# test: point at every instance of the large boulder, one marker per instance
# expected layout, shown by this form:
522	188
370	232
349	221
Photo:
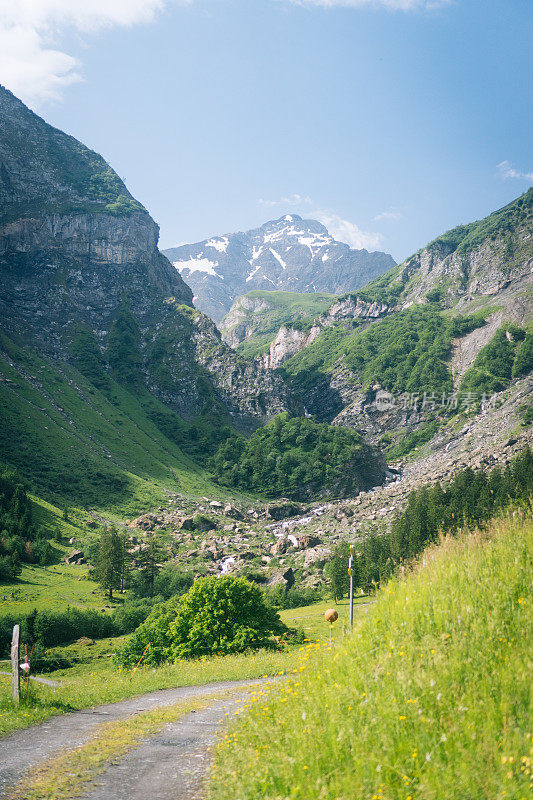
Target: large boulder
281	546
231	511
285	579
317	556
283	509
76	557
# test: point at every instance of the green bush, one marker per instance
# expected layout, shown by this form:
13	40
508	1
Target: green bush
413	440
203	524
279	597
523	363
46	629
217	616
123	348
21	539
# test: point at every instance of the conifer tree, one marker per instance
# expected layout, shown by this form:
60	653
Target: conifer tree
148	562
337	571
110	561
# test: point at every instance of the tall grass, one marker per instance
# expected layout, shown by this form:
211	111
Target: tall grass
428	700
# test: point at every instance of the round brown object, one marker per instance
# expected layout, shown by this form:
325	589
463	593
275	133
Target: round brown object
331	615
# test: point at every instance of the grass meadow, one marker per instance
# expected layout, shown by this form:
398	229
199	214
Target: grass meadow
429	699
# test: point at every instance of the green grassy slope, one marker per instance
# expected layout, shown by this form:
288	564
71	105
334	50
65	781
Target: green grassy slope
77	445
284	308
503	222
62	174
58	585
430	697
407	351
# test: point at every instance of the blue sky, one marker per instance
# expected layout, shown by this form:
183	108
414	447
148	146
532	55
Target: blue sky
391	125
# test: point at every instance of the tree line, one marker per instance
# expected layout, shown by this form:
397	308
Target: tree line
297	458
22	540
470	499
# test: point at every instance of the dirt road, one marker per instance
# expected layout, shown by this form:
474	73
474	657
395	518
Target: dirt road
170	765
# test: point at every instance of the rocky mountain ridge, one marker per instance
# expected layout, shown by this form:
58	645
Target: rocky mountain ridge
257	316
287	254
483	265
76	249
484	268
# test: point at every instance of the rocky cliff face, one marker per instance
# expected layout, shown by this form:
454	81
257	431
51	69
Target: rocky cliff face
74	245
484	267
289	254
497	267
346	311
241	321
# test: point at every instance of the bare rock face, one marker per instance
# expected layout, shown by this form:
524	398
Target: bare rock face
290	341
287	343
74	245
486	266
245	319
285	579
76	557
282	510
73	241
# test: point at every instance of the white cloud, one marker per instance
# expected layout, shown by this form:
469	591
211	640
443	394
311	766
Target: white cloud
292	200
507	171
30	65
341	229
387	216
389	5
345	231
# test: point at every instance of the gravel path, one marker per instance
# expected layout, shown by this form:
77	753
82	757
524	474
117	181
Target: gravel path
22	750
169	766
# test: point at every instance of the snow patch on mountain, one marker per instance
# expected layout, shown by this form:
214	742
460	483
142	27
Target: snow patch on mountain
198	265
220	244
279	259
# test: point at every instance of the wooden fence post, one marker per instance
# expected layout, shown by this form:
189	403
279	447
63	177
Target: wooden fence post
15	674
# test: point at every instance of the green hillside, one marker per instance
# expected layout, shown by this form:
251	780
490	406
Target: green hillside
79	445
405	352
297	310
503	222
60	174
429	698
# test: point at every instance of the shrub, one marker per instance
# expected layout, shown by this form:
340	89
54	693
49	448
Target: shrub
46	629
279	597
202	523
217	616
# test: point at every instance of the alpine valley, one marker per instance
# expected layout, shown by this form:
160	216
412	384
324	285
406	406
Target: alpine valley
341	381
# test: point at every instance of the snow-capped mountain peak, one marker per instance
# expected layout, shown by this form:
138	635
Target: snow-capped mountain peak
288	254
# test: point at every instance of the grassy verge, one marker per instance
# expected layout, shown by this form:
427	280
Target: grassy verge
428	699
98	681
95	680
67	774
